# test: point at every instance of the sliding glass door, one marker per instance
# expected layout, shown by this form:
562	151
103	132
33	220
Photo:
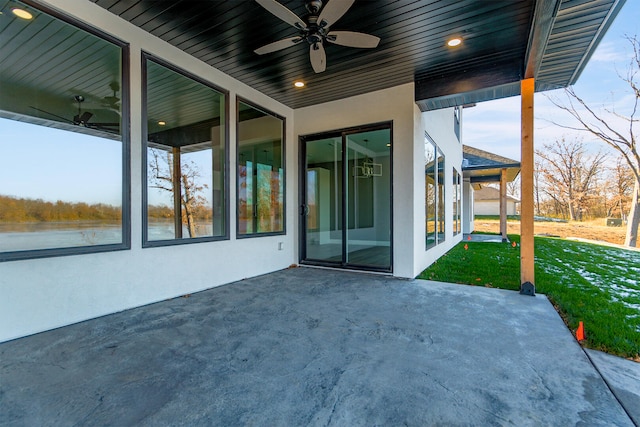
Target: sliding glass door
346	199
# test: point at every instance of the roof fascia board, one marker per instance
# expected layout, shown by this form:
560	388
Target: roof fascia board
481	179
501	166
500	73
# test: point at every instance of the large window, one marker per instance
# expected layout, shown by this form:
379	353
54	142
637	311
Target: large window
434	193
441	197
260	171
186	134
431	180
457	198
63	121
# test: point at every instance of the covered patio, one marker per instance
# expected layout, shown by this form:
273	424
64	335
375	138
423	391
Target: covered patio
307	346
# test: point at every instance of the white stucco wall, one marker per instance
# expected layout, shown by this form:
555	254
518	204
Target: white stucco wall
467	207
439	125
42	294
396	105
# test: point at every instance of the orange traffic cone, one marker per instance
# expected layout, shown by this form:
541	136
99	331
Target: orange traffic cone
580	332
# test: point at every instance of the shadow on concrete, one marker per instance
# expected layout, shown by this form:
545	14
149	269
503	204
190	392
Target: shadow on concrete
312	347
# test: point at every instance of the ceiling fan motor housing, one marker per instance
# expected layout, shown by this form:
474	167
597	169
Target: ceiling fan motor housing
313	6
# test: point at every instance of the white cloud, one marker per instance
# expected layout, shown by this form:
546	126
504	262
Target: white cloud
610	51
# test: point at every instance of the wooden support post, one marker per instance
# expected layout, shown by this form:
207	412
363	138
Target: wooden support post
177	193
527	279
503	204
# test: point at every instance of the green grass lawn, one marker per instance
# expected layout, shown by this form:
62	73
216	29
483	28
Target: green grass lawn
596	284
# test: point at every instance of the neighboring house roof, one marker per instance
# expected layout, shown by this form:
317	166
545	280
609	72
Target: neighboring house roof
481	166
502	43
489	194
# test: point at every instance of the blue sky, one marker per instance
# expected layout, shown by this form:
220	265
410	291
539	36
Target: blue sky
494	126
31	165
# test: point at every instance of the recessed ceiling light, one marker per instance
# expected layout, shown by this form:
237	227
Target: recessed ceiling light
454	42
298	84
21	13
162	123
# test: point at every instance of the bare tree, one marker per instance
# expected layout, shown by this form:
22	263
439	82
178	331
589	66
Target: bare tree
569	174
185	184
619	184
513	188
602	125
536	184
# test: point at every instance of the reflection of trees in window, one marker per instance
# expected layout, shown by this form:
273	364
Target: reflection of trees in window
194	204
186	134
260	171
430	191
61	122
441	197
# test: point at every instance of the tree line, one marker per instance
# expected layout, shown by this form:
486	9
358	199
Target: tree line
19	209
14	209
572	183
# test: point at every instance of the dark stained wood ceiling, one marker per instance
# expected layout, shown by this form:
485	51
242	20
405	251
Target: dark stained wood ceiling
413	41
502	41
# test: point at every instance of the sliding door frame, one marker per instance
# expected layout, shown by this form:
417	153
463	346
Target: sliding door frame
302	196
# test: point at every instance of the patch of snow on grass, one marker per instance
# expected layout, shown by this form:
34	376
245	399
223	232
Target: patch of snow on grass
620	288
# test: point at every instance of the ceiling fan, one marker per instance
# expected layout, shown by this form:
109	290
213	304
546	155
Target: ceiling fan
83	118
110	102
315	29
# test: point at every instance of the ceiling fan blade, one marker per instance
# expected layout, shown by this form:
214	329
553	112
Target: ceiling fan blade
332	11
353	39
105	124
85	117
318	57
283	13
280	44
52	115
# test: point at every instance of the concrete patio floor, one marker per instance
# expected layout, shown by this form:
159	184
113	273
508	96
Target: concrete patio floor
312	347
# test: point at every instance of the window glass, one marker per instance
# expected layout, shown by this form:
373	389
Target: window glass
260	171
62	138
457	196
457	112
441	197
185	156
431	179
434	193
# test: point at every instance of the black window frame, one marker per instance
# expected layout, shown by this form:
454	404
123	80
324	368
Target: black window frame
146	243
252	104
126	149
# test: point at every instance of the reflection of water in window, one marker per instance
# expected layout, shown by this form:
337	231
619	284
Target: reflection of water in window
52	201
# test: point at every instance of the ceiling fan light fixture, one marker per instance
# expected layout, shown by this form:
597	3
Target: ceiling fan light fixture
299	84
456	41
21	13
